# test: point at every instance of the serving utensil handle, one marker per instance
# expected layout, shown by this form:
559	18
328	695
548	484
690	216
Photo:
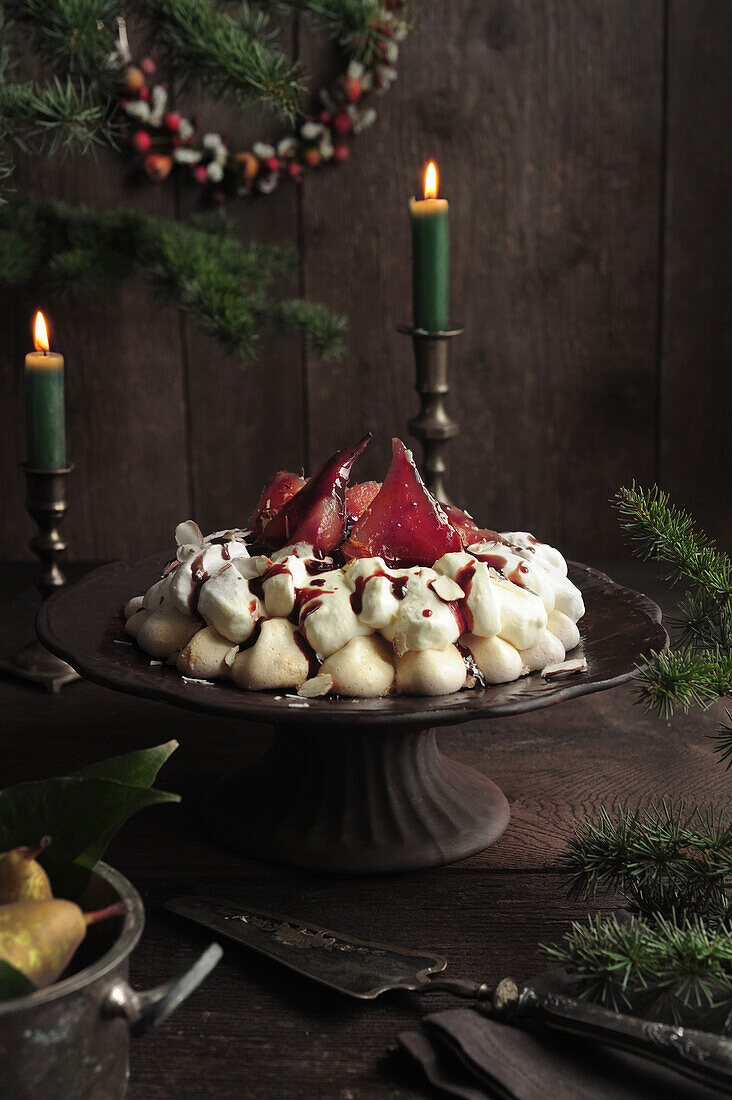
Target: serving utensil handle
700	1055
144	1010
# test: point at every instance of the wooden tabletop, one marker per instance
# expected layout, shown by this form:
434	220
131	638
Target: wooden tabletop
256	1031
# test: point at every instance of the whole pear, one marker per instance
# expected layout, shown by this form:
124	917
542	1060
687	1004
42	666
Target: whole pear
21	877
39	938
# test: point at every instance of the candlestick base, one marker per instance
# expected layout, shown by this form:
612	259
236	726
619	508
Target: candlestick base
432	426
46	502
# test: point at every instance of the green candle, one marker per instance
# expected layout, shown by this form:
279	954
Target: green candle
44	404
430	257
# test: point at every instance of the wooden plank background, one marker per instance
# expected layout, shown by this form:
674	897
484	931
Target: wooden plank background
583	149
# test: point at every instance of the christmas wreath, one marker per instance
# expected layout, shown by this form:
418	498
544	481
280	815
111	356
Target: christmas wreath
93	93
162	139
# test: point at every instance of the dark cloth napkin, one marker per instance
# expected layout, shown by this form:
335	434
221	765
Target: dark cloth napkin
465	1054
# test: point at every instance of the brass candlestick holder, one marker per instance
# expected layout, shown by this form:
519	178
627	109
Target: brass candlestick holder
433	426
46	502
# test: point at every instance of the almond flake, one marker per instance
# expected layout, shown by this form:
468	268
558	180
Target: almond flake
565	668
319	685
188	533
447	589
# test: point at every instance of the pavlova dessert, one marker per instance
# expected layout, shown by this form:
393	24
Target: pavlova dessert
360	592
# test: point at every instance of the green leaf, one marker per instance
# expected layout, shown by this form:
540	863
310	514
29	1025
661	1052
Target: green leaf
13	983
81	813
136	769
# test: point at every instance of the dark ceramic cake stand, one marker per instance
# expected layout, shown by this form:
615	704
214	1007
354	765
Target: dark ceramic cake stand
353	785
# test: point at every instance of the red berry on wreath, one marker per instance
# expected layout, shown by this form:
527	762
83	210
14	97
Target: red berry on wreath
144	95
200	174
295	170
325	117
142	141
148	66
133	80
312	157
272	164
157	166
341	152
342	123
171	121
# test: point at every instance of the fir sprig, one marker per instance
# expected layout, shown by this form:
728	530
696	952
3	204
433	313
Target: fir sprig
201	269
351	23
665	533
75	37
682	678
207	48
665	968
699	670
723	740
662	860
672	954
62	115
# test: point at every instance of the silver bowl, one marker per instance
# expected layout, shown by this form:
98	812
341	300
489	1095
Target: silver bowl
72	1038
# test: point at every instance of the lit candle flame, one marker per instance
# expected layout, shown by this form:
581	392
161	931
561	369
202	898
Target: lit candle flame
430	181
40	332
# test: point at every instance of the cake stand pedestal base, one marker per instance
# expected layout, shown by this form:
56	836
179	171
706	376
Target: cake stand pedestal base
358	800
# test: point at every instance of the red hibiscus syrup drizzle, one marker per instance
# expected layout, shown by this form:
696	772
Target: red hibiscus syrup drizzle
460	610
253	637
256	584
314	566
307	651
516	576
493	561
281	568
198	578
398	588
224	541
470	666
306	602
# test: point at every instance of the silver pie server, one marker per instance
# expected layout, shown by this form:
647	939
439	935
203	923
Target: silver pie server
365	970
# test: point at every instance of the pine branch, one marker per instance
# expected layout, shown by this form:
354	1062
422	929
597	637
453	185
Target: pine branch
701	623
661	531
682	678
353	24
673	955
203	270
326	330
8	47
74	37
699	670
228	58
6	171
722	737
668	968
66	115
662	860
